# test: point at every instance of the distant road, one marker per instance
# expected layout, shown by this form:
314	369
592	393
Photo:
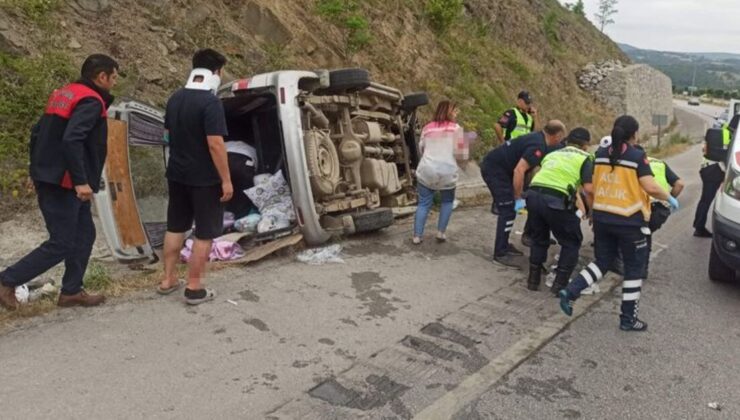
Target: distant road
710	112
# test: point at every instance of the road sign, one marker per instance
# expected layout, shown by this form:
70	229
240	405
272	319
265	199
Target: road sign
660	120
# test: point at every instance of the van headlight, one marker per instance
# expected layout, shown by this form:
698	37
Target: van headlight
732	183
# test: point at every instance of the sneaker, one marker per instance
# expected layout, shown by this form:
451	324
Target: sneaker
702	233
507	260
591	290
566	302
441	237
512	250
196	297
633	325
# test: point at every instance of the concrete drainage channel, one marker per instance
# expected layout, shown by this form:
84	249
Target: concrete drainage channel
434	374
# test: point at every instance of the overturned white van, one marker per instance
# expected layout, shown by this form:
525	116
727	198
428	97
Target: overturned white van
347	147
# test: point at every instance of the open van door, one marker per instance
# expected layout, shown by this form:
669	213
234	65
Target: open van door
134	219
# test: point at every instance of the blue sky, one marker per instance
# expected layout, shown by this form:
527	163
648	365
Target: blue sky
675	25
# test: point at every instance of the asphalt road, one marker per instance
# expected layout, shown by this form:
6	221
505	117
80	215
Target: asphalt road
688	358
392	333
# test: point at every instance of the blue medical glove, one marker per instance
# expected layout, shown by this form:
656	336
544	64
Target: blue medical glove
673	202
519	204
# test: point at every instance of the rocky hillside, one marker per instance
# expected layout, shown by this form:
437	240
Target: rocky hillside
479	52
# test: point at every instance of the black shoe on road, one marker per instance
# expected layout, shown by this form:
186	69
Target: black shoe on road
512	250
702	233
633	325
507	260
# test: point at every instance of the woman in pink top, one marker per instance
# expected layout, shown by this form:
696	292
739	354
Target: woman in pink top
441	141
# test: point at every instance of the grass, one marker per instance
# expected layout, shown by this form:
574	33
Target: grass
349	17
99	278
673	145
442	14
550	27
26	83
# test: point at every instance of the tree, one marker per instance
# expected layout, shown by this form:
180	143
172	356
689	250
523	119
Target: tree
576	7
607	9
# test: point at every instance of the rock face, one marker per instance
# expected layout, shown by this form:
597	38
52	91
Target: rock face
638	90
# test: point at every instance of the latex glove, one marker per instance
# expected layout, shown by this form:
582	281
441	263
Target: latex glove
519	204
673	202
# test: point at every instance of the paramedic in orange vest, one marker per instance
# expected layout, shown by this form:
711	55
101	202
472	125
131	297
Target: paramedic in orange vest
623	184
68	150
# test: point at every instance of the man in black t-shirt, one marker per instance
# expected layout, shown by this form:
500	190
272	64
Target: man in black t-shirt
197	173
504	169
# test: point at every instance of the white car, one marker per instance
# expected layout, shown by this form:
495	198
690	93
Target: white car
724	259
694	101
346	146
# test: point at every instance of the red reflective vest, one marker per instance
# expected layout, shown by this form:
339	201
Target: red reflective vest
62	103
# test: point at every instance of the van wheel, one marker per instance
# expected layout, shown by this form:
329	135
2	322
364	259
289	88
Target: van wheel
347	80
372	220
718	270
414	100
323	163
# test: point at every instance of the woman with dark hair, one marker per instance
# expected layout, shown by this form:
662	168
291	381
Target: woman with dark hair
623	184
437	170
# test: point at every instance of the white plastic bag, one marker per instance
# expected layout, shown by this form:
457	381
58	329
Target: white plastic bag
22	293
319	256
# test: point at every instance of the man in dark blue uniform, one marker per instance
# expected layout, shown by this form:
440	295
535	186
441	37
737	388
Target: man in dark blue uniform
68	151
503	169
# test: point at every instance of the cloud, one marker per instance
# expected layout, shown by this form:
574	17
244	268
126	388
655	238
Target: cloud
674	25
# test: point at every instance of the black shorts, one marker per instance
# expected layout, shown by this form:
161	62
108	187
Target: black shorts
202	205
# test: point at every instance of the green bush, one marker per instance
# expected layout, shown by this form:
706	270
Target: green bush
25	83
347	15
443	13
550	27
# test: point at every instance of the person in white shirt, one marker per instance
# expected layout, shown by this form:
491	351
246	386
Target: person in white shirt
440	142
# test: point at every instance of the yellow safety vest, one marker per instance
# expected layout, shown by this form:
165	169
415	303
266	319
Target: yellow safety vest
617	190
523	125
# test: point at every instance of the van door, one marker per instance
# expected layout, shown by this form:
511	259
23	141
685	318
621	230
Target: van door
133	178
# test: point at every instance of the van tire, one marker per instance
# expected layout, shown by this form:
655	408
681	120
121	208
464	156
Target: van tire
347	80
718	270
414	100
323	163
372	220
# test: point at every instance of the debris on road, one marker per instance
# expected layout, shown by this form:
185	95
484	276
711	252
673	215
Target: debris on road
320	256
233	302
715	406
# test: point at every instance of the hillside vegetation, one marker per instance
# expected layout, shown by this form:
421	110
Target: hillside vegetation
478	52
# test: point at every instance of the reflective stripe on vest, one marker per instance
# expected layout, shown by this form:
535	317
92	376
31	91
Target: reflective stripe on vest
561	170
659	172
62	102
523	125
617	189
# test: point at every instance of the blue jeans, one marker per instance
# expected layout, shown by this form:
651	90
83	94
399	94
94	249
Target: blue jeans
426	199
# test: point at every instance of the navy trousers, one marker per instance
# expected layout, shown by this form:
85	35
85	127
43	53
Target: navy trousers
500	184
545	216
711	179
609	241
71	238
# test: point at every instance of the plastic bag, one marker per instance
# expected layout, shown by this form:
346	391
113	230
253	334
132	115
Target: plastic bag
248	224
319	256
22	293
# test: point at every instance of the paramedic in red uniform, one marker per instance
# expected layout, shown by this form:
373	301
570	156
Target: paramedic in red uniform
68	150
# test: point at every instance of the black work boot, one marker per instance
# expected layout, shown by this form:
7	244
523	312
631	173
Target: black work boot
561	281
535	275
